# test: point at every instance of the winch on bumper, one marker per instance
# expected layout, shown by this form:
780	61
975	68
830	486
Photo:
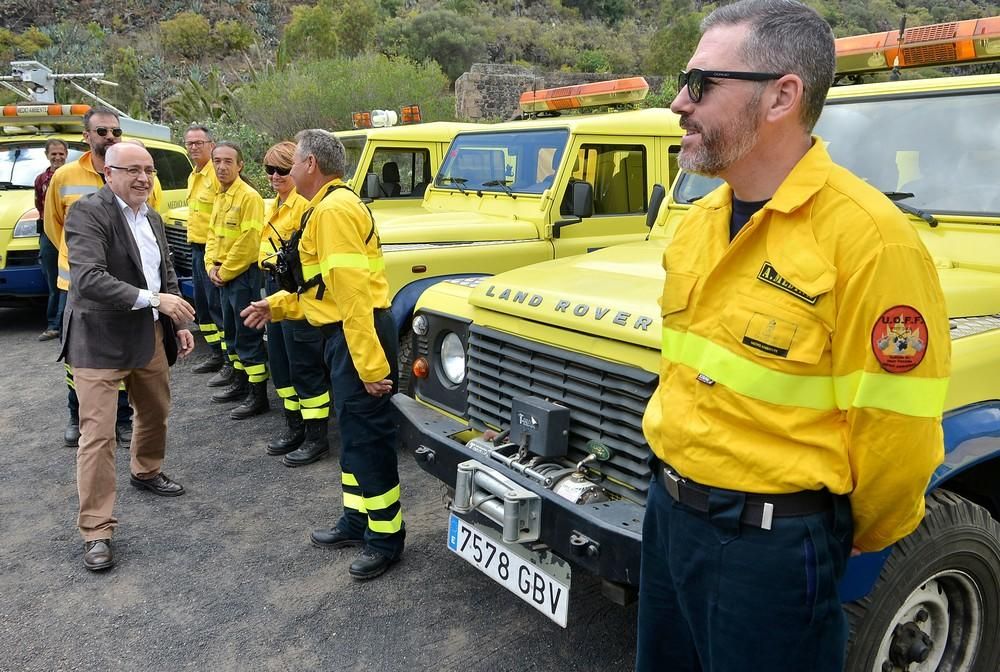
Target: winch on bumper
529	506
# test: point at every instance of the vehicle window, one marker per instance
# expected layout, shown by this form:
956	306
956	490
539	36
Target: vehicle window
519	161
172	168
618	175
353	146
402	173
20	163
942	149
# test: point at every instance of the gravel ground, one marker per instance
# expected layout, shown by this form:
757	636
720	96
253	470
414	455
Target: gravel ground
224	578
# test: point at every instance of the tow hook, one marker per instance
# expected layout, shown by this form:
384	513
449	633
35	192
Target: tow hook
910	644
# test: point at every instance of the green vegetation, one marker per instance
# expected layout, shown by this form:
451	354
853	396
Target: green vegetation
258	70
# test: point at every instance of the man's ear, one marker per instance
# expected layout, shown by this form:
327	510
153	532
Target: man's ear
785	98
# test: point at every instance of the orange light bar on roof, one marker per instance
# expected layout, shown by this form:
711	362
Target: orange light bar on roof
410	114
611	92
939	44
44	110
362	119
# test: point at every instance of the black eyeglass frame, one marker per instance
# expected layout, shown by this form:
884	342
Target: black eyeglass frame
695	79
104	130
271	170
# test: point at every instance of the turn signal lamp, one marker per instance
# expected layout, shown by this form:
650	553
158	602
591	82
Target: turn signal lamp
384	118
596	94
939	44
421	368
411	114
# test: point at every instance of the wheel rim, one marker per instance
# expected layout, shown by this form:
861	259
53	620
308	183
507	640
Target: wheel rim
946	610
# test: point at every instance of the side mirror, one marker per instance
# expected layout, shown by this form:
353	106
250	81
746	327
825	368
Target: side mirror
655	201
583	199
372	186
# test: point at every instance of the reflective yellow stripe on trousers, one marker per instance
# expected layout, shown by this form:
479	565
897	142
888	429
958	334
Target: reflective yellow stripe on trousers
907	395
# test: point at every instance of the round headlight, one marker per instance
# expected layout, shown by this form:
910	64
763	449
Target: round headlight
453	358
419	325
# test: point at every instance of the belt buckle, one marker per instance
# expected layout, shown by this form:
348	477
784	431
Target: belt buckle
671	481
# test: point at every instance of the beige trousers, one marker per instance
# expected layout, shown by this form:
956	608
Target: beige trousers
149	394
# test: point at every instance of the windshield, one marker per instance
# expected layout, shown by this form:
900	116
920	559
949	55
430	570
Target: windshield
943	150
353	146
513	161
21	163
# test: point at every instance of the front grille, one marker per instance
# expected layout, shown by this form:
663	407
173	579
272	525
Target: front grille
22	258
180	248
605	400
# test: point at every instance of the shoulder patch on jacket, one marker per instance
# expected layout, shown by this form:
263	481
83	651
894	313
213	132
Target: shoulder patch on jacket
900	339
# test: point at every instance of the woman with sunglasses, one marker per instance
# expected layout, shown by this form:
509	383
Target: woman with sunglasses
294	347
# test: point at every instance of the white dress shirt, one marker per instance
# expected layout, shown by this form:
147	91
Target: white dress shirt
149	252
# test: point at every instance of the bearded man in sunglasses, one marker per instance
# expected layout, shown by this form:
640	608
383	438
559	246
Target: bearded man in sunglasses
783	432
70	183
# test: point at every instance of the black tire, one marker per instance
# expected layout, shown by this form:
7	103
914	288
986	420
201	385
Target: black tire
943	581
406	360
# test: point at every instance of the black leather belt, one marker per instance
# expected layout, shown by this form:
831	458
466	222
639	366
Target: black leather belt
329	330
758	511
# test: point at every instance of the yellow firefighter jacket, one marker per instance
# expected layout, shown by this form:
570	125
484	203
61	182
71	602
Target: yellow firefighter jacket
811	352
234	237
285	219
202	188
341	244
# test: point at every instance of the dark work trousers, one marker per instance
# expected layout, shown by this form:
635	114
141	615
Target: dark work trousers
48	258
208	327
246	342
298	366
215	314
370	476
718	595
124	415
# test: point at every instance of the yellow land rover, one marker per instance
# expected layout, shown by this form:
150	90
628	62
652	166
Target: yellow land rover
531	385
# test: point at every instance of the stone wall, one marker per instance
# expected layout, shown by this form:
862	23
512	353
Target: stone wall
490	91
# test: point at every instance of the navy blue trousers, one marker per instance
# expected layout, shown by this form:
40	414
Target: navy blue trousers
203	288
246	343
367	443
48	258
298	365
717	595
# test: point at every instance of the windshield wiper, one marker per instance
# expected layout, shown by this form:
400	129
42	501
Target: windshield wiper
457	181
897	197
502	184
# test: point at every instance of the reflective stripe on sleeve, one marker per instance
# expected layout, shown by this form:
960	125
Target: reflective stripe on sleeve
73	190
906	395
251	225
350	260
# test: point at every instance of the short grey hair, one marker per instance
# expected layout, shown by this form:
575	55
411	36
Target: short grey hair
325	148
204	129
786	37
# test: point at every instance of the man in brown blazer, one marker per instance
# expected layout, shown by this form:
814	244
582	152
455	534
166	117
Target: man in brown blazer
119	326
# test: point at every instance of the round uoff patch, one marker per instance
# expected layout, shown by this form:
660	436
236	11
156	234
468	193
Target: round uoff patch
900	339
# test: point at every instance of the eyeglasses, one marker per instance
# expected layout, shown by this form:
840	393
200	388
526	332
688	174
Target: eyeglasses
697	80
103	131
135	171
194	144
271	170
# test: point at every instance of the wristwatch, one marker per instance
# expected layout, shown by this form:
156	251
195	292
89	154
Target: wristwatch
154	300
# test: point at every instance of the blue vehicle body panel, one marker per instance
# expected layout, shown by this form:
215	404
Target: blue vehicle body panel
23	281
971	437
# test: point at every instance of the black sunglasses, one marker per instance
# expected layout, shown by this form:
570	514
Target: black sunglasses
271	170
697	80
102	131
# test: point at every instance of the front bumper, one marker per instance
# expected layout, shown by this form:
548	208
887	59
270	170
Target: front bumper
603	539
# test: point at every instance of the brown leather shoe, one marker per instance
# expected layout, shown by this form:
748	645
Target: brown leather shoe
159	484
97	555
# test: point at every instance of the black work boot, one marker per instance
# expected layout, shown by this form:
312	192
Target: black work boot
238	389
210	364
316	446
224	378
255	403
291	438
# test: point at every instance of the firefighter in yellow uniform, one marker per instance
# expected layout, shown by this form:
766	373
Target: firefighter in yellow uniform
294	347
804	367
345	293
202	188
231	264
69	184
